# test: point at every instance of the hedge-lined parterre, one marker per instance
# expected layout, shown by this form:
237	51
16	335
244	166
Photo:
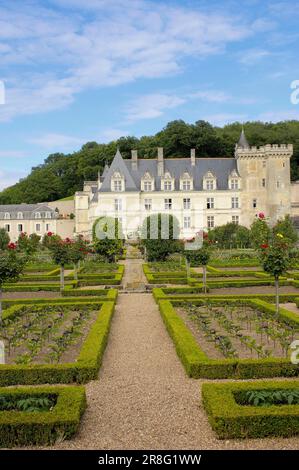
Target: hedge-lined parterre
232	419
198	364
25	428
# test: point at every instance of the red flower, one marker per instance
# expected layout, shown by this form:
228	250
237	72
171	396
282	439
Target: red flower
264	246
261	215
11	246
49	234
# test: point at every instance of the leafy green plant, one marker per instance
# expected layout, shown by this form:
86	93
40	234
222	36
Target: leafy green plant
272	397
28	404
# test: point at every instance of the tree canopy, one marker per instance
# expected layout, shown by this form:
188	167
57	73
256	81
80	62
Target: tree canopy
61	175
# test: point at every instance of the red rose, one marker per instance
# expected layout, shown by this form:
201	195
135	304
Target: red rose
49	234
264	246
261	215
11	246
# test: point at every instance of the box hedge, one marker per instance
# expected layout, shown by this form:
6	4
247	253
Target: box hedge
197	364
20	428
84	369
231	420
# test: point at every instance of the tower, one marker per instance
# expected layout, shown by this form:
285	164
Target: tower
265	173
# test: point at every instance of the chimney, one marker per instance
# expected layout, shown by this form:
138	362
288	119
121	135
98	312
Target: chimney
192	155
160	161
134	154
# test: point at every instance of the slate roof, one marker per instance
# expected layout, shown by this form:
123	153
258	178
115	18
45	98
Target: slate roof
220	167
243	142
28	210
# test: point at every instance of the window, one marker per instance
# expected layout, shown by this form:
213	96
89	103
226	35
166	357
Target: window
187	222
47	227
187	203
117	205
48	215
167	204
186	185
167	185
210	203
234	184
37	227
20	215
264	163
235	203
235	219
210	221
264	182
20	227
254	203
37	215
117	185
7	227
278	184
210	185
283	164
7	215
147	186
147	204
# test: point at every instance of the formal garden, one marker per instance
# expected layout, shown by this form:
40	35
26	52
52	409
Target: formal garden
230	307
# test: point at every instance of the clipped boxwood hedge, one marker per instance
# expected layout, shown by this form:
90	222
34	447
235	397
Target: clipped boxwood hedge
20	428
231	420
197	364
84	369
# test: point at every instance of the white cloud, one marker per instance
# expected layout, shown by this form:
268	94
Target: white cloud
13	154
120	42
8	178
59	141
277	116
152	106
220	119
107	135
212	96
253	56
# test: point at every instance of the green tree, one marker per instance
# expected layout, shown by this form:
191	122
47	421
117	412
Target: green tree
107	238
200	257
61	253
159	235
4	239
79	250
28	245
275	258
11	266
260	232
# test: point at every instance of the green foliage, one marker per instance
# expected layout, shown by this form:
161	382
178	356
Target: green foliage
107	238
11	266
230	420
259	233
286	228
230	235
276	256
270	397
4	239
199	257
28	245
36	424
159	235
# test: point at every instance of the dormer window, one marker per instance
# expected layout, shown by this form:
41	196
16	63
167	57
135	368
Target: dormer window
38	215
48	215
7	215
209	181
167	182
20	215
117	182
234	181
147	182
186	182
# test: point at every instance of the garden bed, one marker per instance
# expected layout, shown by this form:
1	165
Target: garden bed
233	417
57	413
54	343
198	362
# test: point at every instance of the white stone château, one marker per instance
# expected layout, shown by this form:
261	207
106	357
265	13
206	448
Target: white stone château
201	192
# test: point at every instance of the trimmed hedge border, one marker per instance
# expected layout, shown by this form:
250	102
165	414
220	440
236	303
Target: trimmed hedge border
84	369
42	428
197	364
230	420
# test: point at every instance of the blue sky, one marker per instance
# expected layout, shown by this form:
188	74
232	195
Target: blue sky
98	69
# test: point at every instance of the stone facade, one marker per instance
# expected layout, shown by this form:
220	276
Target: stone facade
201	192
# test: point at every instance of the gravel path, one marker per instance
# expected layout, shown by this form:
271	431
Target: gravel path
143	399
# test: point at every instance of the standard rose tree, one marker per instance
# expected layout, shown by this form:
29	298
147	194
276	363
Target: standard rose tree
11	266
79	250
61	253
